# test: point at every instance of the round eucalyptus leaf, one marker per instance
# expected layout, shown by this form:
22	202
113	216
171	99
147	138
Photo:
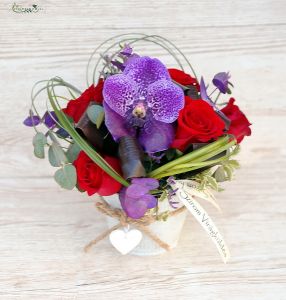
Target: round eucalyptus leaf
56	155
96	114
66	177
73	152
220	174
39	142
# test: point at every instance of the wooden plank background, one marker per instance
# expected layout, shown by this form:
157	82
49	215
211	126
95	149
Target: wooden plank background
44	228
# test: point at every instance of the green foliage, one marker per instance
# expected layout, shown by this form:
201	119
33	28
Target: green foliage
226	170
56	154
69	127
219	174
96	114
72	152
66	177
206	180
39	142
163	216
173	153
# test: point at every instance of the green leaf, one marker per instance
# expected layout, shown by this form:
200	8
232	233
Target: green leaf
57	156
72	152
96	114
220	174
228	90
66	177
39	142
234	163
228	171
170	153
212	183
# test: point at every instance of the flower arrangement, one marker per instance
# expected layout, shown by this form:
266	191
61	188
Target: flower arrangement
142	132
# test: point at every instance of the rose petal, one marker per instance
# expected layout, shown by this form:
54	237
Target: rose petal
183	78
109	185
156	136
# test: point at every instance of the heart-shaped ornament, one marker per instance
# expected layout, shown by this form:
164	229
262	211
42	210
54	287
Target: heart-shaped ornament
125	241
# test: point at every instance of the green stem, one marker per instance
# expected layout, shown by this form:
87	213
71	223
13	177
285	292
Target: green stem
217	97
203	159
191	156
188	169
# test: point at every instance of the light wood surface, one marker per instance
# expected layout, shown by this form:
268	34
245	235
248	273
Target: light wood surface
43	228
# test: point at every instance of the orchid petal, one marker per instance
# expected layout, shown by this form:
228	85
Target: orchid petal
145	71
116	124
119	92
166	100
156	136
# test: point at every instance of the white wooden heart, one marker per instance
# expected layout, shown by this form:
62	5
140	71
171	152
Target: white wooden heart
125	241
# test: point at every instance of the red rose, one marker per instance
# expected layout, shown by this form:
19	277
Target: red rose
239	125
197	123
183	78
77	107
92	179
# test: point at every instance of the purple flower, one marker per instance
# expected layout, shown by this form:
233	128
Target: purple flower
143	102
50	118
136	200
220	81
32	121
127	50
203	90
118	65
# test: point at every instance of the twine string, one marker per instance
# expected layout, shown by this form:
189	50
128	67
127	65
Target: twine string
124	220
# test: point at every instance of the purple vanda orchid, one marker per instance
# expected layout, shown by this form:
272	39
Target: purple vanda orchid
143	102
136	199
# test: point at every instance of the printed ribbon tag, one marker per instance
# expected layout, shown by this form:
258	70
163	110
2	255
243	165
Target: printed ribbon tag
186	190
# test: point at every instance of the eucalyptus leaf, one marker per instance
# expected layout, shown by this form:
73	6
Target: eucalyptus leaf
73	152
57	156
39	142
220	174
96	114
66	177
